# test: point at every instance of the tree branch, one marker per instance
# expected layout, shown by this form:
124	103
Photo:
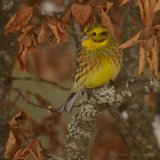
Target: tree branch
116	95
94	102
39	80
47	107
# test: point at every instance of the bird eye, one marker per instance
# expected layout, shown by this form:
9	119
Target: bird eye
94	33
104	33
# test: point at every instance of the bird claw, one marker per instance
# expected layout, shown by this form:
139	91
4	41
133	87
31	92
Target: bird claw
112	83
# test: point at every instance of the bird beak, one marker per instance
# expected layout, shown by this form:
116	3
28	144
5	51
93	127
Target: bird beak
83	37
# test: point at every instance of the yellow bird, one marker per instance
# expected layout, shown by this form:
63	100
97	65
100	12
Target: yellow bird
98	61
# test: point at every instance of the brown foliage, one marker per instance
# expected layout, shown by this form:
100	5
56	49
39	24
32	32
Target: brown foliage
22	141
81	13
147	37
134	40
43	33
19	19
54	29
27	42
105	19
32	148
29	39
17	136
58	30
154	58
142	61
125	2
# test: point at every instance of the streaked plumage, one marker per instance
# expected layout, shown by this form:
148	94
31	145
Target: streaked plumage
98	61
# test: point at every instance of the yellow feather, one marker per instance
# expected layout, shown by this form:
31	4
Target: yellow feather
102	74
91	45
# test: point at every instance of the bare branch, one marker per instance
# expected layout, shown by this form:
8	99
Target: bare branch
39	80
49	108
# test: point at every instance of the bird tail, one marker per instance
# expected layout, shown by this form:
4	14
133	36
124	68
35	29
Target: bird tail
68	105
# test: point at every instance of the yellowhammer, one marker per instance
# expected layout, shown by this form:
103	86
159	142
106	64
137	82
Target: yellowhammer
98	61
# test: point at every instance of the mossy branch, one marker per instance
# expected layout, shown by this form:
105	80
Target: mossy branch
98	100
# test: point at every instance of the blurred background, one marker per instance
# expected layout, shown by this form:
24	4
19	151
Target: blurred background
38	41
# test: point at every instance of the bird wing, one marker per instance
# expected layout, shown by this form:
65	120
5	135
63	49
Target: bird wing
76	64
79	69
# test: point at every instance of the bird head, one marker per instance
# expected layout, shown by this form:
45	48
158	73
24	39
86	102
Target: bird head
96	37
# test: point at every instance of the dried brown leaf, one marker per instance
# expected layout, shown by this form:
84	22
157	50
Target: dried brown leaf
21	57
109	6
27	28
32	148
17	134
66	17
11	145
149	60
19	19
154	59
58	29
124	2
147	11
81	12
157	27
117	16
146	34
142	61
106	21
43	34
157	7
140	4
27	42
54	29
134	40
149	43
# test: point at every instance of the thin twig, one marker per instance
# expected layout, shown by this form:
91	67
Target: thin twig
40	80
49	108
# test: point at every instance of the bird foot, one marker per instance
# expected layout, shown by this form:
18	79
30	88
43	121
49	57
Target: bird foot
113	83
